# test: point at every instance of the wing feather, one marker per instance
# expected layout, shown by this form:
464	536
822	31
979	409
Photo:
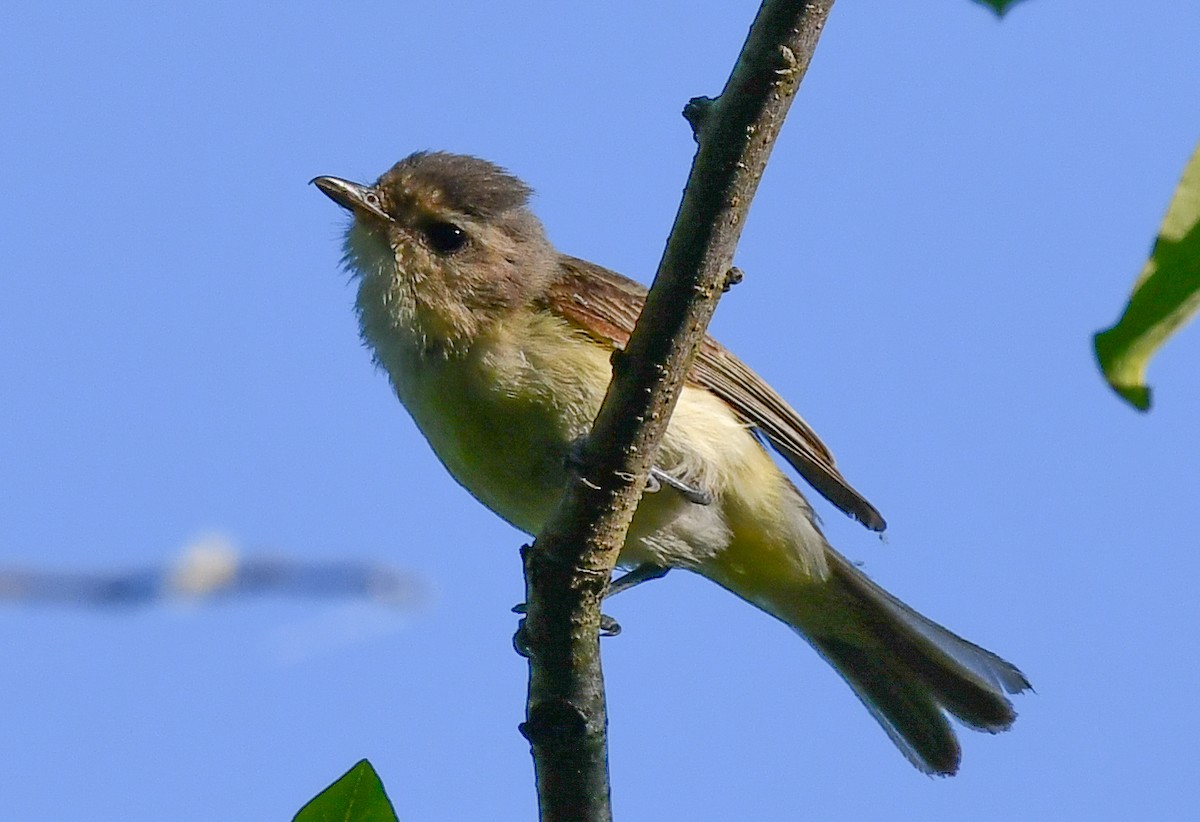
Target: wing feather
606	305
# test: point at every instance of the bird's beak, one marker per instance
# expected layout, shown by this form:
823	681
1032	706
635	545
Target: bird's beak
352	196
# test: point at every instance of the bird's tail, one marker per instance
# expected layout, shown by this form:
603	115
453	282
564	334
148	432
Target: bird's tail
908	670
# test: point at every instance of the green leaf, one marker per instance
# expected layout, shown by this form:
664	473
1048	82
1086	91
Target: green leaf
358	796
1165	296
998	6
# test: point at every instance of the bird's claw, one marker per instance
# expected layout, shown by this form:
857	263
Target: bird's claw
659	478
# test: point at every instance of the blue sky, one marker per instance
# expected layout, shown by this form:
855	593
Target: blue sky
954	206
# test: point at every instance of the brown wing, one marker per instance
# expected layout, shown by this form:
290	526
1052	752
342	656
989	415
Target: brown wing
607	305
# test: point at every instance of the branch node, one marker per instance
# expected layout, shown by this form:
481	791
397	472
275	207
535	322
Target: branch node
521	640
696	112
788	64
619	361
732	277
553	720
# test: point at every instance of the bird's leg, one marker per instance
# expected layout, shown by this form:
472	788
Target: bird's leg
654	482
608	626
647	571
659	477
642	573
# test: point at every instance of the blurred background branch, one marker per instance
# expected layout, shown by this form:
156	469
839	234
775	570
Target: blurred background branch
212	568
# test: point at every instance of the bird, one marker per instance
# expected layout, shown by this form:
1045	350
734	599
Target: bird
500	348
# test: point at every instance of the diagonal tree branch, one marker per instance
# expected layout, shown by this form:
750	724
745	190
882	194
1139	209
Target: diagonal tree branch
567	569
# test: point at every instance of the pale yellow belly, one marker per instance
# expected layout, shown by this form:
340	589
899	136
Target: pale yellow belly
502	419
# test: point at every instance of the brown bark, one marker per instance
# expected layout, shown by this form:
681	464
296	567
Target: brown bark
567	569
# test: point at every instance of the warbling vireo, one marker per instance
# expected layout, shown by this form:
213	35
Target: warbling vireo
499	346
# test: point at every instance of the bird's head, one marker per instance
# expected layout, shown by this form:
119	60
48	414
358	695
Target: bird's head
446	241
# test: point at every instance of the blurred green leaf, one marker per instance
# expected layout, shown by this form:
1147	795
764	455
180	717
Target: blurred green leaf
1165	296
358	796
998	6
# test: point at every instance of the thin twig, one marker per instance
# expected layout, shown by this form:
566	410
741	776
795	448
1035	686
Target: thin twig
568	567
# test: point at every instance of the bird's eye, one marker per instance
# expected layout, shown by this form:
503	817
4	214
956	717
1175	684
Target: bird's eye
446	238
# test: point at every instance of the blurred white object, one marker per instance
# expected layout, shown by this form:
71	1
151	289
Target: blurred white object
209	565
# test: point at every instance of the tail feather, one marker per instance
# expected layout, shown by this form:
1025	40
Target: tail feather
906	668
904	708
